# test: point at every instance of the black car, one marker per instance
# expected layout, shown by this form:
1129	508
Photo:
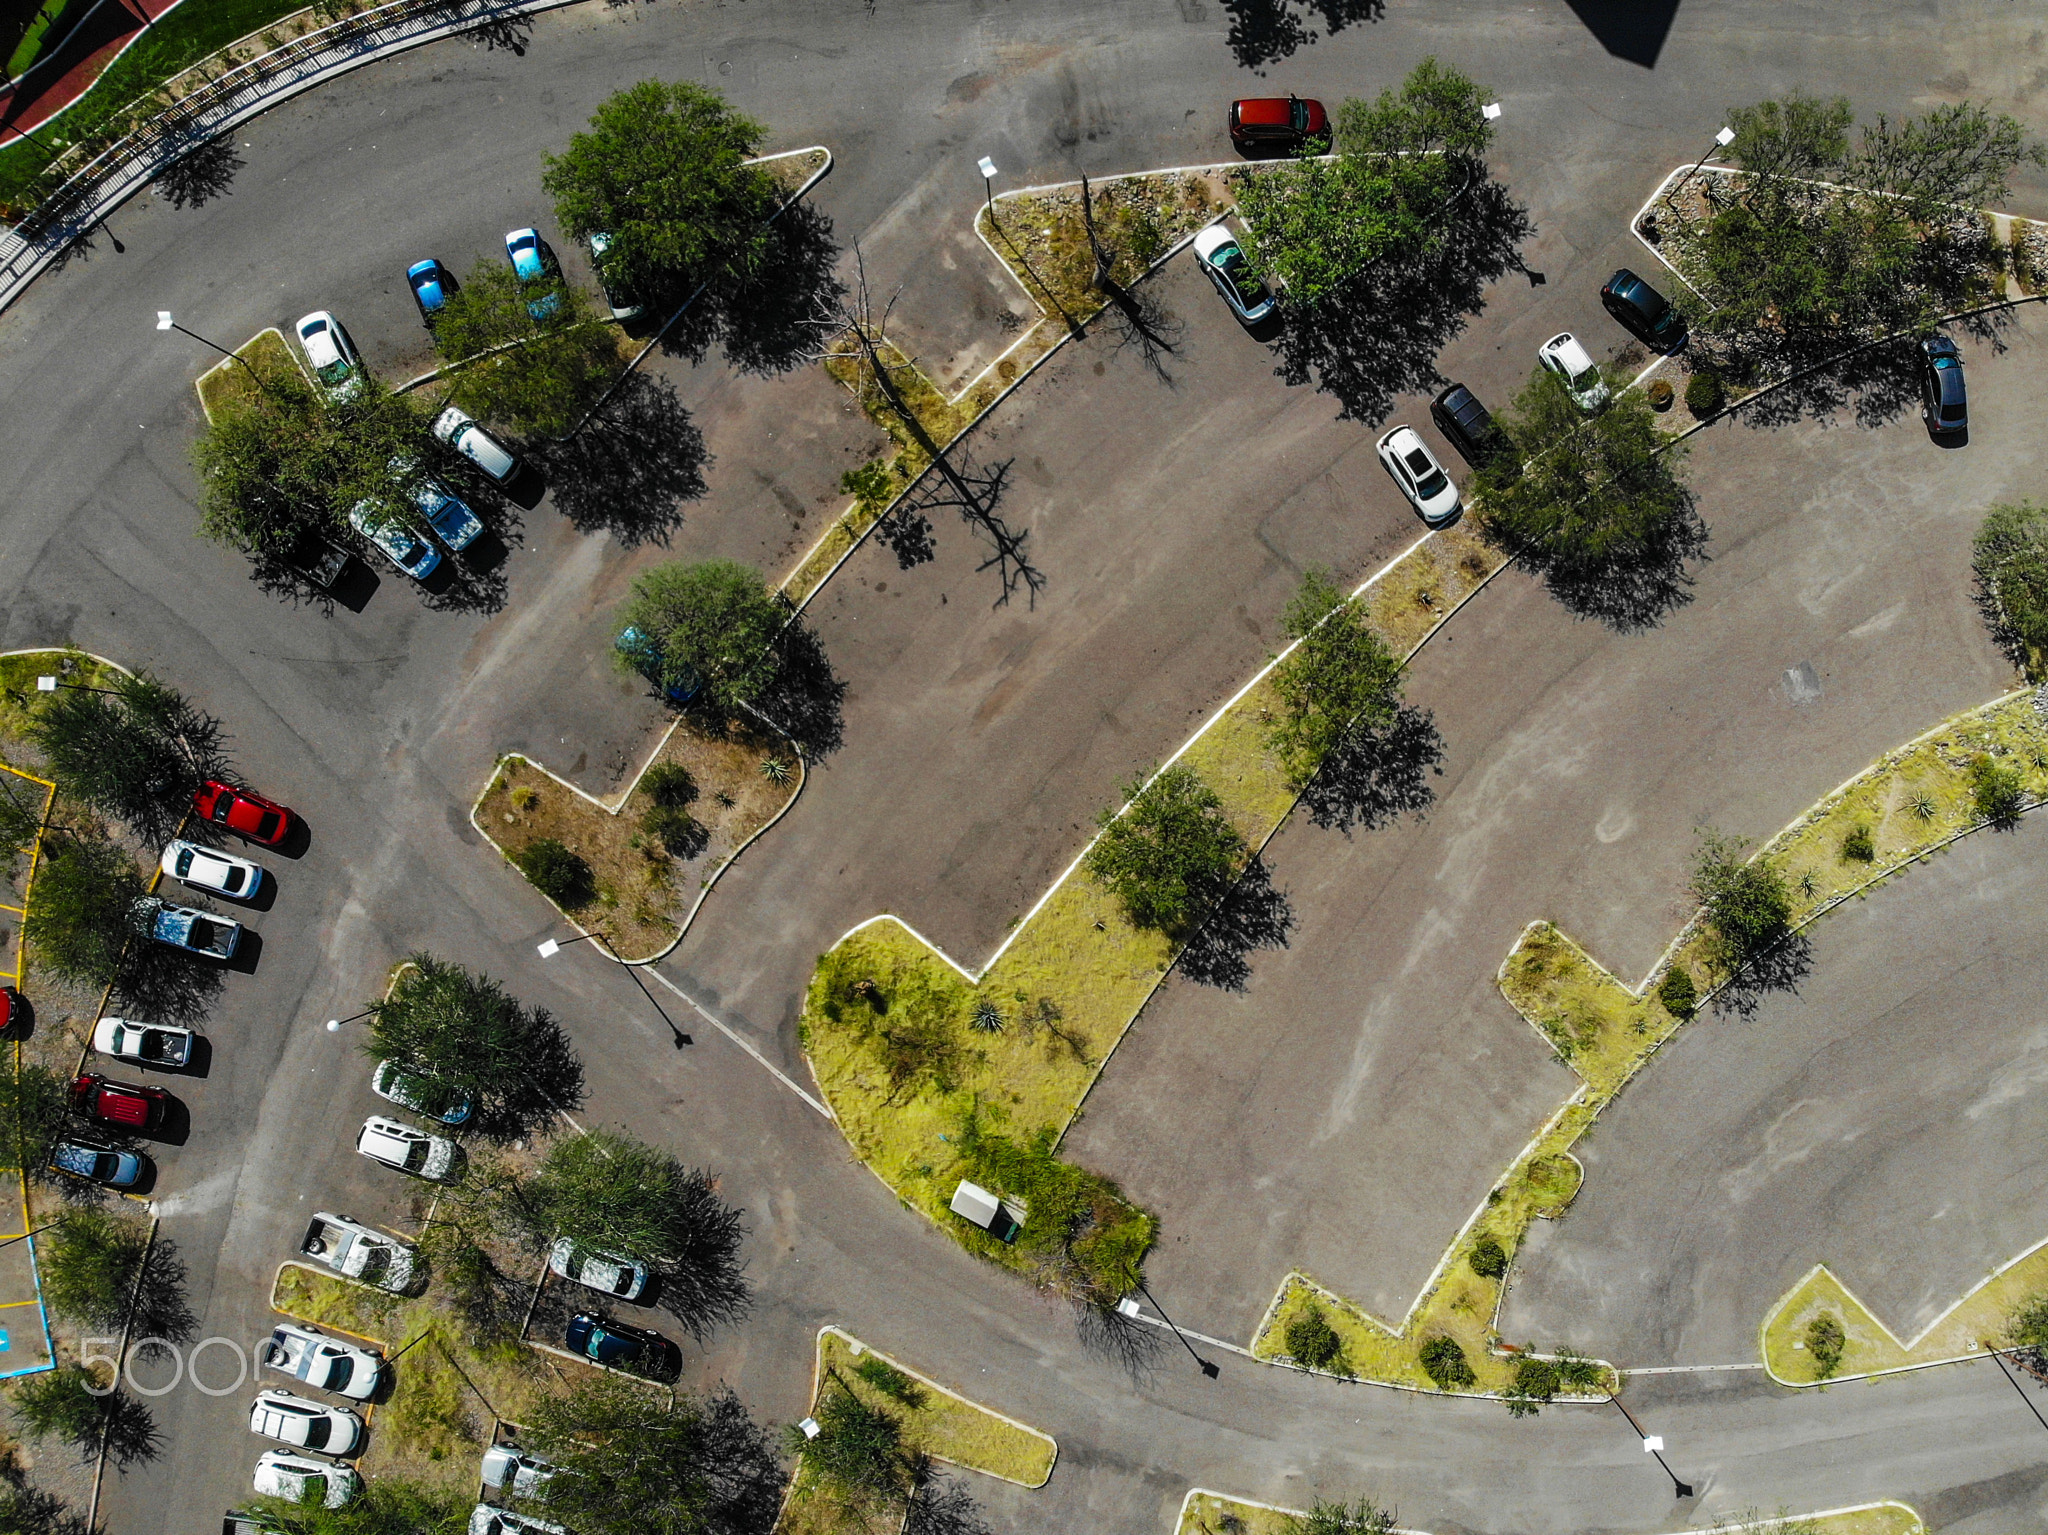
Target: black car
1643	312
1466	424
1944	402
621	1346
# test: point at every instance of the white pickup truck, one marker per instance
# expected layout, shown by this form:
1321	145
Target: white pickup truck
325	1363
356	1251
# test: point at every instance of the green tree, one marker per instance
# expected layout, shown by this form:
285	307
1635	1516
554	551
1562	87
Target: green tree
464	1037
1825	1341
34	1106
90	1266
2027	1327
1444	1362
68	1404
1312	1341
2010	558
137	750
1535	1382
663	172
1169	855
1681	998
858	1455
387	1506
545	372
1581	493
1489	1259
1339	679
562	875
21	817
81	910
1997	791
635	1462
1748	905
625	1197
714	622
1363	1517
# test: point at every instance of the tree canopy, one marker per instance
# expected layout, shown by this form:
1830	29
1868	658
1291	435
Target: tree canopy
81	916
662	171
34	1106
137	750
553	367
2010	559
387	1506
463	1036
635	1463
1340	677
714	621
1170	855
1748	905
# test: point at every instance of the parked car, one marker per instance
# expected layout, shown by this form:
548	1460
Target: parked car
1563	355
404	548
624	305
534	265
431	283
293	1420
459	430
15	1013
153	1044
1419	476
1468	426
239	1521
486	1520
336	363
1223	262
107	1166
446	513
208	868
317	560
324	1363
1643	312
241	812
621	1346
125	1104
1944	402
187	927
397	1144
1265	124
362	1253
301	1479
511	1469
647	659
587	1266
410	1090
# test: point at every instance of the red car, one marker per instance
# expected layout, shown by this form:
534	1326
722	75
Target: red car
248	815
118	1103
1278	124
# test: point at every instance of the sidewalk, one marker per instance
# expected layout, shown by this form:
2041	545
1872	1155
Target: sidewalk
57	79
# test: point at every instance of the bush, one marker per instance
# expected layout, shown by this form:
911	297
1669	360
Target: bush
34	1104
678	832
1489	1259
90	1265
1858	845
1825	1340
557	873
1704	393
1338	680
1681	998
1997	791
68	1404
1082	1239
859	1451
1748	905
1445	1363
714	623
2010	559
1313	1341
1535	1382
81	915
669	785
1170	855
1660	394
2027	1327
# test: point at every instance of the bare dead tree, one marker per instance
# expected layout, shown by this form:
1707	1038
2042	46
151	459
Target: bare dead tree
1141	321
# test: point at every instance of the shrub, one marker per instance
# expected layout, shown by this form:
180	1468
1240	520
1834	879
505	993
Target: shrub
1444	1362
1704	393
1681	998
1168	856
1489	1259
2027	1327
1575	1372
1536	1382
557	873
668	785
524	797
2010	559
81	916
675	829
1825	1340
1339	679
89	1268
890	1381
1748	904
1660	394
1997	791
1858	845
1313	1341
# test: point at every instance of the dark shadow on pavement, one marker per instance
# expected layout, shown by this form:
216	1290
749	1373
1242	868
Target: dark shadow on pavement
804	700
779	318
1779	968
1634	589
1377	338
200	174
1375	776
632	466
942	1505
297	838
162	984
248	954
1629	29
199	1063
454	586
1131	1345
1262	31
486	552
288	580
160	1309
176	1129
1251	915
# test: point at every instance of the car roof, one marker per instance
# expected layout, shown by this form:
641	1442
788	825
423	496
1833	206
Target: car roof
1266	111
521	236
1213	239
431	264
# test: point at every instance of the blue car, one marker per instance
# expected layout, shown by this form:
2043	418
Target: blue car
619	1346
99	1164
533	262
1944	401
646	659
403	547
431	283
446	513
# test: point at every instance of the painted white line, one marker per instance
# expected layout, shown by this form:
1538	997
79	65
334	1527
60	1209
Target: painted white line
719	1024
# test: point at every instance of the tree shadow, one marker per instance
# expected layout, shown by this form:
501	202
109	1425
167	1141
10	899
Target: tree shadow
942	1505
779	318
1251	915
1635	588
1143	324
1374	776
804	700
1125	1342
201	173
1377	337
130	1432
1781	967
1262	31
632	466
456	587
161	984
500	30
161	1309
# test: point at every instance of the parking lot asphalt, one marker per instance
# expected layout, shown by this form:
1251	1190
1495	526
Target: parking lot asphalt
1886	1120
1348	1111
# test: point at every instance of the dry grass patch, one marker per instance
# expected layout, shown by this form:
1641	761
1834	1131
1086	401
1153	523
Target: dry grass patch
1208	1513
228	382
943	1424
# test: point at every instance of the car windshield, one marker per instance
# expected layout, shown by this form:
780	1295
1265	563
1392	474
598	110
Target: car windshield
105	1165
267	826
222	805
1954	412
202	934
231	878
334	372
1650	303
317	1432
1299	116
376	1263
415	1156
1586	379
339	1370
184	863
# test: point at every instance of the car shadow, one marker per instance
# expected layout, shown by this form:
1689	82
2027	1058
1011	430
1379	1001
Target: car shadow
145	1185
487	551
1267	330
265	896
1949	440
21	1020
526	490
248	954
199	1063
176	1129
297	838
355	586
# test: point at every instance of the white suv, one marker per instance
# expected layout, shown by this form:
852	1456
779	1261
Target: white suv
459	430
1563	355
397	1144
305	1425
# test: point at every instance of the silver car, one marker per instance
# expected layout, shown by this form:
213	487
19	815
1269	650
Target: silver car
1223	262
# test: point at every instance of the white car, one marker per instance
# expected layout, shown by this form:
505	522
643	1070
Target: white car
208	868
459	430
336	363
394	1084
623	305
324	1363
599	1271
301	1479
305	1425
153	1044
403	547
1421	478
486	1520
509	1468
397	1144
1563	355
1223	262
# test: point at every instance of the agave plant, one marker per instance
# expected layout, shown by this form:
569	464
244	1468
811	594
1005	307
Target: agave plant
988	1018
775	770
1923	805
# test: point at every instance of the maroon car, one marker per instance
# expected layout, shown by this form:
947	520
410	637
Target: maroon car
248	815
1278	125
118	1103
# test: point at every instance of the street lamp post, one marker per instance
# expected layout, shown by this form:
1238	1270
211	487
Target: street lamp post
988	186
1654	1443
165	322
1129	1308
2006	1370
1721	141
550	947
51	684
334	1024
